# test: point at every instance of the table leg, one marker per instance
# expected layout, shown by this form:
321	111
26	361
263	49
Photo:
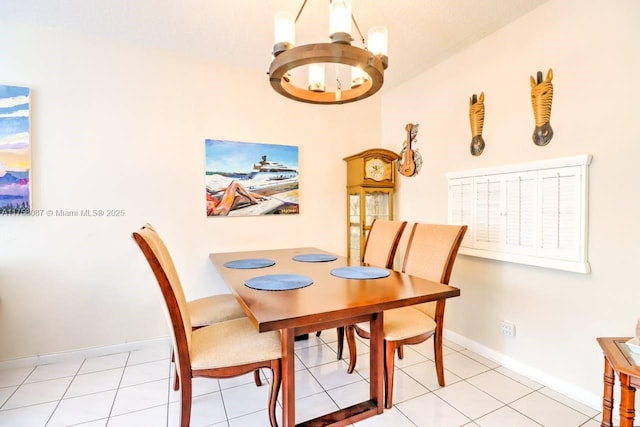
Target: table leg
376	364
627	401
288	379
607	395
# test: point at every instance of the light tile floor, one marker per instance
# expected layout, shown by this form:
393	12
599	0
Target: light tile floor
134	389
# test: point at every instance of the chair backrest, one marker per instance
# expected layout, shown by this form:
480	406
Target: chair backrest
166	275
167	260
431	252
382	242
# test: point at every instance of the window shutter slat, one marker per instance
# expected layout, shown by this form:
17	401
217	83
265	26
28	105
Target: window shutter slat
461	196
560	234
521	193
488	225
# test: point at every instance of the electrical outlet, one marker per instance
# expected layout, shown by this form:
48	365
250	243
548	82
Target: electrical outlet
508	328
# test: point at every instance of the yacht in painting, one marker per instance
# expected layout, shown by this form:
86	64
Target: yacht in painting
265	178
272	171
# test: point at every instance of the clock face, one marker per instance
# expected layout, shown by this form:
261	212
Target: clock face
376	169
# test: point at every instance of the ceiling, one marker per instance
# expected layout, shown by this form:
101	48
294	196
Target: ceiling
421	32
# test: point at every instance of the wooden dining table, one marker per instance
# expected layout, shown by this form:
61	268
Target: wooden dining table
329	302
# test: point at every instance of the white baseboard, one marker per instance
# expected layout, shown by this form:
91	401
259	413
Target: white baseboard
46	359
581	395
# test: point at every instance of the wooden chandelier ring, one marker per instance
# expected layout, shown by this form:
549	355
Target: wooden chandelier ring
326	53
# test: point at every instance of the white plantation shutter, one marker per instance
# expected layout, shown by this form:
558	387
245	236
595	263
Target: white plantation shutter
533	213
488	209
461	206
520	212
560	222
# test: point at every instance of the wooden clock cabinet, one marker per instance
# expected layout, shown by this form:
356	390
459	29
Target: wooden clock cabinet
371	178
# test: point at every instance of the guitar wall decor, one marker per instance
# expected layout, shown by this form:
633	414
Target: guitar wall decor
476	118
410	159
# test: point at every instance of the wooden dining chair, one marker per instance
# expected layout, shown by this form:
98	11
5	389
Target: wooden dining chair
431	254
225	349
379	251
211	309
208	310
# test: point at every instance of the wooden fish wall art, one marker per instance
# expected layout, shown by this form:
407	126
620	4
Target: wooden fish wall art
541	98
410	159
476	119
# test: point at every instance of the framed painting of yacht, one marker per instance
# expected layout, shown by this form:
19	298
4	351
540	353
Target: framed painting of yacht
250	179
15	160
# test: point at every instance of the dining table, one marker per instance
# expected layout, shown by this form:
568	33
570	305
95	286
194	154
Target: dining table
317	298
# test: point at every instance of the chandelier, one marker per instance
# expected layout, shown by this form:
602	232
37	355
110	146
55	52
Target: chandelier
365	65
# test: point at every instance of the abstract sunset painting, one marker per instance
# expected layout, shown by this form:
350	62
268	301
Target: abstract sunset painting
15	160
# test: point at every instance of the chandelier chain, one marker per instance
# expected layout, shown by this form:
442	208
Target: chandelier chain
304	3
353	18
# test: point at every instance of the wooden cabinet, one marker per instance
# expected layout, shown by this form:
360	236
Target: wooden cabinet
370	191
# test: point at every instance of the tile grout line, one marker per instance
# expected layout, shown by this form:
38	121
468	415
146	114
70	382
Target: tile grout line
118	389
405	415
17	388
505	405
65	392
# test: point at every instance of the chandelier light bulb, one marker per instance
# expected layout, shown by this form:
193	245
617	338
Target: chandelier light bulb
358	77
378	40
316	77
340	21
378	43
284	32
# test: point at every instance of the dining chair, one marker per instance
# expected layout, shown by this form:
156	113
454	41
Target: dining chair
225	349
379	251
207	310
431	253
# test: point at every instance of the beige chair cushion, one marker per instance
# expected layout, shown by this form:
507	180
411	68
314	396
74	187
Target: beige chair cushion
213	309
231	343
405	322
432	251
382	242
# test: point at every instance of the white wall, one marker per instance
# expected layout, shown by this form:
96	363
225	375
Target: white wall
592	48
115	126
122	127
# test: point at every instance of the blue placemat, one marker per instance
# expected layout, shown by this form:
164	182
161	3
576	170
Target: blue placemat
278	282
248	263
315	257
356	272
